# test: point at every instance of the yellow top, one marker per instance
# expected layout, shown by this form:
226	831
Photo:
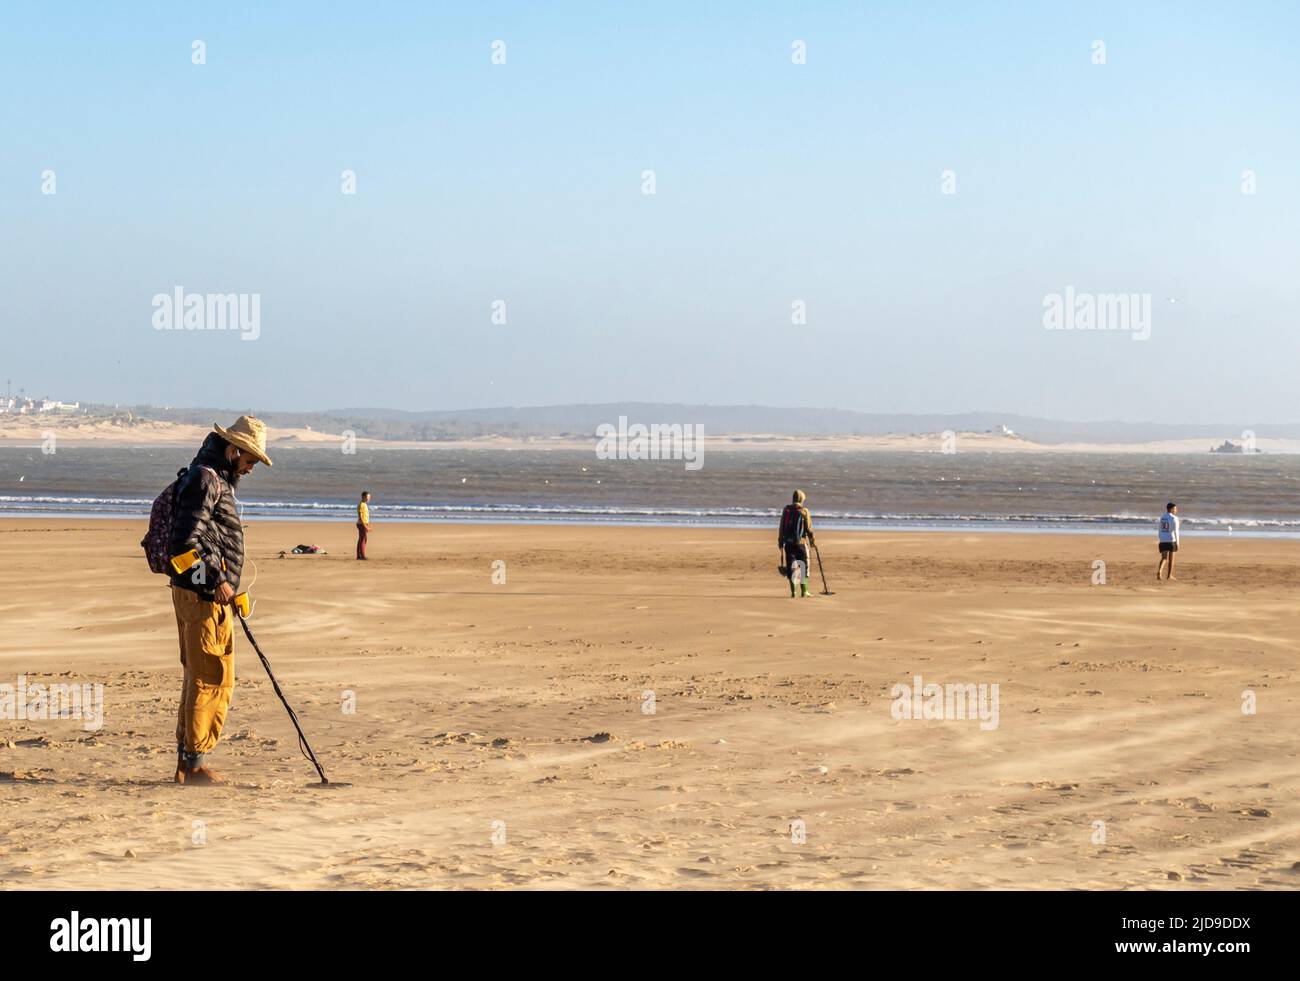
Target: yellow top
363	513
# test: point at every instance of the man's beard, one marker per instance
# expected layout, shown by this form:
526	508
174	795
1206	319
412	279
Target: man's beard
233	476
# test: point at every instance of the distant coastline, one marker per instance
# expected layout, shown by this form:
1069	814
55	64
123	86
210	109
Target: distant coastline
80	430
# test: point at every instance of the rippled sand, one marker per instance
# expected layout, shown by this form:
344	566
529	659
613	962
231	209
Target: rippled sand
501	736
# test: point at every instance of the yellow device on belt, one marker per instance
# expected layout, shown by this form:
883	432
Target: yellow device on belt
186	561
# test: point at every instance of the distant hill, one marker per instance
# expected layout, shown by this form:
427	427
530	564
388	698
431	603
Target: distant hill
579	420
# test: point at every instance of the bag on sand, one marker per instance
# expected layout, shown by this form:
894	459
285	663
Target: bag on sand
157	538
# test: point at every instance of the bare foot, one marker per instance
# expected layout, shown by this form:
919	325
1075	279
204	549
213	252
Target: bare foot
199	776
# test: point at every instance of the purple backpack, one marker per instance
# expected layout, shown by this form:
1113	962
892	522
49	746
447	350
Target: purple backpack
157	539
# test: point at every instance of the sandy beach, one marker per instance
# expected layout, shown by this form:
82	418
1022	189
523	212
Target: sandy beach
501	733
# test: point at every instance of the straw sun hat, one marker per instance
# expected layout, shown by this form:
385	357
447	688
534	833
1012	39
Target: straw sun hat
248	433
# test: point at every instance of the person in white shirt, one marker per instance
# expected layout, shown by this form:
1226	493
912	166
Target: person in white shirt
1168	537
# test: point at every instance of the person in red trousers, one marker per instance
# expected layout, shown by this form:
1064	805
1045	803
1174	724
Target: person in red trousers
363	525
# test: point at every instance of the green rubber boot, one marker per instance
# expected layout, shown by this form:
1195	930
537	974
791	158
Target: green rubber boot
803	589
792	589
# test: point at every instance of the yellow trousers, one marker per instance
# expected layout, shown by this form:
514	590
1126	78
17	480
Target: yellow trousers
208	656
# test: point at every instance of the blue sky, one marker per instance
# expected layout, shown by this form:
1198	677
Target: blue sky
775	182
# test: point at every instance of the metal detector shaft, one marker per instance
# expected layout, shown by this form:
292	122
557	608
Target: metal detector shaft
303	745
825	589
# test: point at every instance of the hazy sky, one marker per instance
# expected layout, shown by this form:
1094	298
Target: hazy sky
775	182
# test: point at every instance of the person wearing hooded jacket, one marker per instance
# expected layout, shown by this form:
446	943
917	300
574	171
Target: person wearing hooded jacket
206	520
793	536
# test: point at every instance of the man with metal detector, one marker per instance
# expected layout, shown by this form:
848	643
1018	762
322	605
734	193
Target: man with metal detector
206	547
795	527
196	537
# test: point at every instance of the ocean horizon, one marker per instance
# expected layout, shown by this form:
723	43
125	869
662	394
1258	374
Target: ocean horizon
1098	493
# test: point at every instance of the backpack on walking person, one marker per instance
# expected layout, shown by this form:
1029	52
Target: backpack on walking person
792	524
157	540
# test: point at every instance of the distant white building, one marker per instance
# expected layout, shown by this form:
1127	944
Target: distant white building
29	406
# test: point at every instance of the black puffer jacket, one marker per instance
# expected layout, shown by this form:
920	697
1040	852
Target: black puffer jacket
206	517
